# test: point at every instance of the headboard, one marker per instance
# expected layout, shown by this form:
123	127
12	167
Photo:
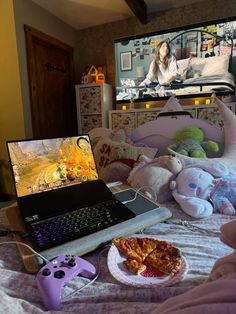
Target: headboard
217	39
161	132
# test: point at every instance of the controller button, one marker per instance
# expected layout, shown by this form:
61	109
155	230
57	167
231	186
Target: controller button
46	272
59	274
71	262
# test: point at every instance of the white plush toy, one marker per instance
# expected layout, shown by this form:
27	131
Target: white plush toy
199	193
154	176
191	189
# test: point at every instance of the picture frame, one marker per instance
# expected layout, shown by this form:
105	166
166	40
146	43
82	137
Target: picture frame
126	61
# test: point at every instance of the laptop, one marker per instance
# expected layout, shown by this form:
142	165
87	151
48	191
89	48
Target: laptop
59	194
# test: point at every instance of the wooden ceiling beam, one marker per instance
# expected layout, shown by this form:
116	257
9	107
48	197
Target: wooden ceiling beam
139	8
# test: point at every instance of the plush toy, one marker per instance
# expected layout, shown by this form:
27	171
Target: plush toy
115	159
228	159
189	142
154	176
199	193
122	134
117	170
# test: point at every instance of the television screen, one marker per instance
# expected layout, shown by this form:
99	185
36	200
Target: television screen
193	60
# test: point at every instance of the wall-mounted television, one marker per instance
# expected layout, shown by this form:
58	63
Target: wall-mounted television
200	59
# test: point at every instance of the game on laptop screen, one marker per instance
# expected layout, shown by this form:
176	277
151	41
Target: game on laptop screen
41	165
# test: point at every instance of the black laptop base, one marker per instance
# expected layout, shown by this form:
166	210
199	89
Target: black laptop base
81	210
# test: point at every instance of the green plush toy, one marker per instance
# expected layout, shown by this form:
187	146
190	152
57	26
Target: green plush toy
189	142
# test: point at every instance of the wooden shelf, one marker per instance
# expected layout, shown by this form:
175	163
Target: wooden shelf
133	118
93	102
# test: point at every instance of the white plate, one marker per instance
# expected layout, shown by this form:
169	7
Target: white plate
119	272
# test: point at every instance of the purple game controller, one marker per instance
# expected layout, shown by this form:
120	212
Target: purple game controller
53	276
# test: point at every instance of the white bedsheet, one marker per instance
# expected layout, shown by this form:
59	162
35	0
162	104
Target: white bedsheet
217	78
19	294
220	82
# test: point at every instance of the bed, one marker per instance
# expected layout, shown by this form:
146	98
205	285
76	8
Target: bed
192	82
192	85
201	72
201	248
198	240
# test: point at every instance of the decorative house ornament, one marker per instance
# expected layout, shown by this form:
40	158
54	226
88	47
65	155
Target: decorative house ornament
93	74
100	75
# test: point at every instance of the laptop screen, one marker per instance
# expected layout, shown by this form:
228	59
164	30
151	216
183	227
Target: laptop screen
46	164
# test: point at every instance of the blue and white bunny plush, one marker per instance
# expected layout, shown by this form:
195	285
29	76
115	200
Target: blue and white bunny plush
223	196
199	193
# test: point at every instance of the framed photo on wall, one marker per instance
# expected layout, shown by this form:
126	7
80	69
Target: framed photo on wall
126	61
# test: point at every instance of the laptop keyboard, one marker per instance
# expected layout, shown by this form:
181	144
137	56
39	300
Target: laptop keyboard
78	223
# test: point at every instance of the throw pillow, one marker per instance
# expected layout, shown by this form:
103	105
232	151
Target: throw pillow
197	64
172	104
216	65
183	66
106	151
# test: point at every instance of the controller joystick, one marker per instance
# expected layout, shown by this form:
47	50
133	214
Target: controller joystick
54	275
71	262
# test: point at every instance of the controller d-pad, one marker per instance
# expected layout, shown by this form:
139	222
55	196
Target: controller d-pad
59	274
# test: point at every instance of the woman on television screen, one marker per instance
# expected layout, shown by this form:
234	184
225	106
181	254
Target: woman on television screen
163	68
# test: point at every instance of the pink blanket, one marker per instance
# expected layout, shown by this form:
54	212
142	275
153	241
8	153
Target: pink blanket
217	295
201	248
226	266
228	233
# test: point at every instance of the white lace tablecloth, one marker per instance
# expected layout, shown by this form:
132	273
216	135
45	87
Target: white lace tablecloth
201	247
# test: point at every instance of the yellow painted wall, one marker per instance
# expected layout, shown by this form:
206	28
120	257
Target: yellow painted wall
11	109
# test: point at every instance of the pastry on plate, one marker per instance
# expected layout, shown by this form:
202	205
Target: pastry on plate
145	252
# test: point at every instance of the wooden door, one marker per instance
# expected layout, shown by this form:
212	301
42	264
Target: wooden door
51	81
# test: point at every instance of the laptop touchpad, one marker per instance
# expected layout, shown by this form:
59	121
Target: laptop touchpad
139	205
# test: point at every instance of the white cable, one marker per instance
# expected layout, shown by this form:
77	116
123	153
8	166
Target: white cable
78	290
91	281
47	261
29	247
136	194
